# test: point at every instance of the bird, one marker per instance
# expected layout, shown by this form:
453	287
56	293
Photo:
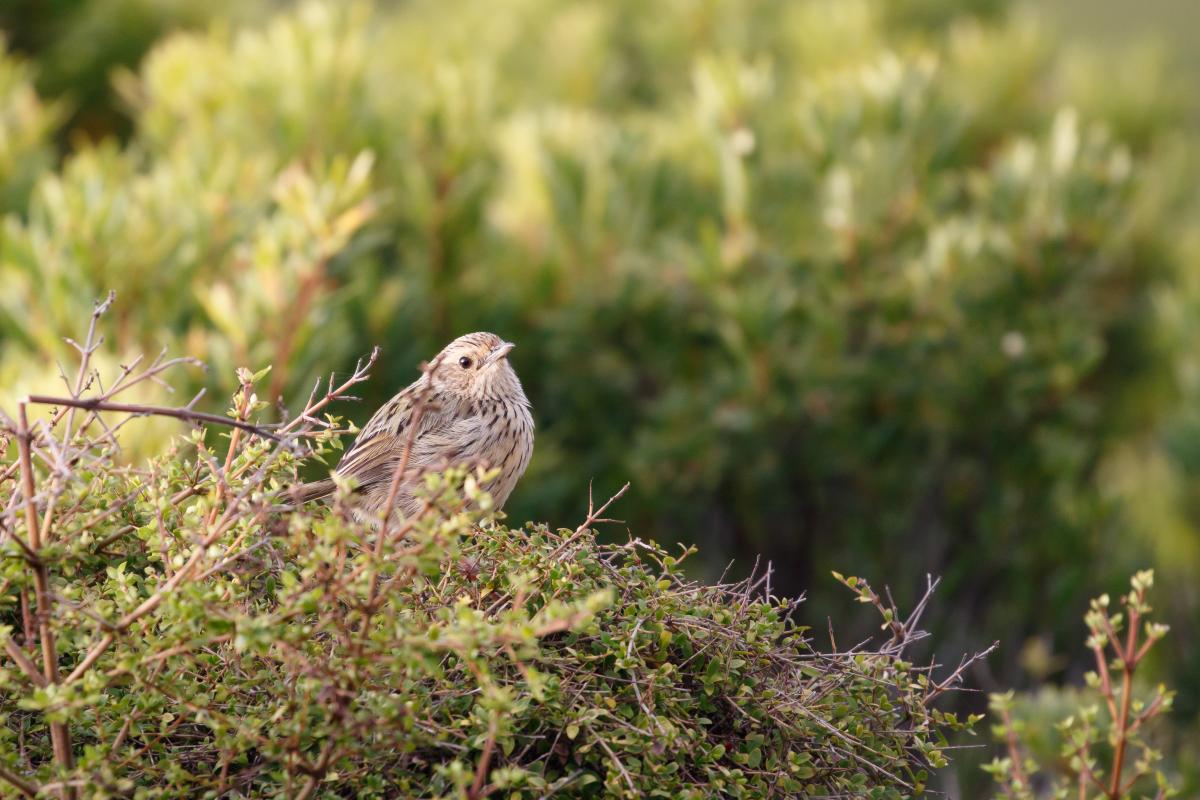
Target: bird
467	408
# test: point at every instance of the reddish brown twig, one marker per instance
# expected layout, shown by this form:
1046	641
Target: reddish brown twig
186	414
593	517
485	760
59	733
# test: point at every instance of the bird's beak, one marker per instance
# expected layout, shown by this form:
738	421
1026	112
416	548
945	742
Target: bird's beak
500	352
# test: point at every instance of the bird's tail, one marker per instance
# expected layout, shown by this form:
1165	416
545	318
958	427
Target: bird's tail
311	491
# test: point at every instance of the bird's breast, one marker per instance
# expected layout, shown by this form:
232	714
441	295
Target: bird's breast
505	443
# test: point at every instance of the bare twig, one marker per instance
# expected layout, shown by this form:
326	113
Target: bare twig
955	678
59	733
620	767
93	404
85	357
485	760
21	660
361	373
26	789
593	517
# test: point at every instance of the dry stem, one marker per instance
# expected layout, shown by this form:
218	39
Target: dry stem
59	733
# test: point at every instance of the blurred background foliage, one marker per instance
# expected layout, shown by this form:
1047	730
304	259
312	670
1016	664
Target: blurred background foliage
897	287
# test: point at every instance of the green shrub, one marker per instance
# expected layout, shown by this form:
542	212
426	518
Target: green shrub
1105	746
26	125
79	44
171	630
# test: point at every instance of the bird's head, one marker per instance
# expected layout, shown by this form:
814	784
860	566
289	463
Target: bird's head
476	367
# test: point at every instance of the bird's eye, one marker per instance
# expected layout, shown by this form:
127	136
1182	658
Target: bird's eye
464	362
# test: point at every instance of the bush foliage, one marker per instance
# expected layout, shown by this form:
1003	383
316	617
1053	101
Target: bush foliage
1106	749
173	631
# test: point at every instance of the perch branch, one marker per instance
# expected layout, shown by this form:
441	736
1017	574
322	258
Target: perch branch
157	411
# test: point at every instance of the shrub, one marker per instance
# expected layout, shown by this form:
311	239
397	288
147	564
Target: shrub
172	630
1105	748
79	43
829	231
26	124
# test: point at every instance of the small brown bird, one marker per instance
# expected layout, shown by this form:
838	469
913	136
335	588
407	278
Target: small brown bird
467	408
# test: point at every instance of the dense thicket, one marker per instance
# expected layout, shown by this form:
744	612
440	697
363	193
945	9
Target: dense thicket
887	284
171	629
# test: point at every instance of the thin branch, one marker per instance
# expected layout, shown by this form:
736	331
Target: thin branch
360	374
955	678
21	660
481	770
92	404
26	789
613	756
317	771
85	356
59	733
1122	720
593	517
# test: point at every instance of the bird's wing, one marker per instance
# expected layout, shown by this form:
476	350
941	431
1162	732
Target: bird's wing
380	445
455	442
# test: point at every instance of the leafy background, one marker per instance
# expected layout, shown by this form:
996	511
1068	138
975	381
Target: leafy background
904	286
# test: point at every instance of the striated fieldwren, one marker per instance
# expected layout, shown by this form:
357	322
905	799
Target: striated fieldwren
468	408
